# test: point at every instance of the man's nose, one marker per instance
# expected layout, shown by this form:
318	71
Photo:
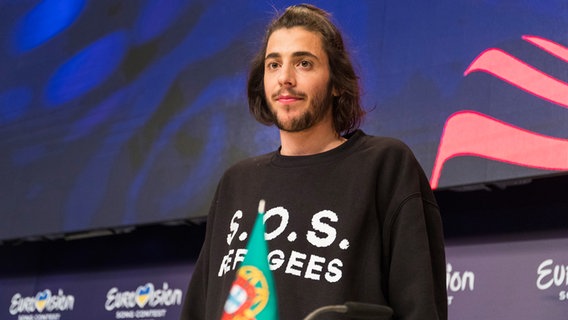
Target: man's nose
286	76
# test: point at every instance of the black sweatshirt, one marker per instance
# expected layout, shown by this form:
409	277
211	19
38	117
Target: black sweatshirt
356	223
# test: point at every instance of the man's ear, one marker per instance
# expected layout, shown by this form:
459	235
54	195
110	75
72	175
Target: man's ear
335	93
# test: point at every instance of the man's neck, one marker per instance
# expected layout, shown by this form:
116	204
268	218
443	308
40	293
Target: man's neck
317	139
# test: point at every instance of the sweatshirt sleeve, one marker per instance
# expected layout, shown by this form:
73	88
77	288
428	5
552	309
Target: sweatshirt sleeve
417	262
413	240
195	303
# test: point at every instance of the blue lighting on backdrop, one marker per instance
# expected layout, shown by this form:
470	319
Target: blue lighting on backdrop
45	21
117	113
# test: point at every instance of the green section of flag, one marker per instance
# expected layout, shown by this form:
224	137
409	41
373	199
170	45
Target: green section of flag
257	256
254	277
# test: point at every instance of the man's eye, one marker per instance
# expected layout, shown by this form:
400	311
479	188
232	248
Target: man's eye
272	65
305	64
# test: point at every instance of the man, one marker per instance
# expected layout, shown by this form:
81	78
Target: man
351	217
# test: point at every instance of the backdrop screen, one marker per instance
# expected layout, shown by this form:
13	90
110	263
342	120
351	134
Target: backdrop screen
117	113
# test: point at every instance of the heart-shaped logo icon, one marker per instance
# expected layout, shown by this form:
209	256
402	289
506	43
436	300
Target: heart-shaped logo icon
143	294
41	299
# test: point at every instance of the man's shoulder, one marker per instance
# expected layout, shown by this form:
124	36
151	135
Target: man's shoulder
384	144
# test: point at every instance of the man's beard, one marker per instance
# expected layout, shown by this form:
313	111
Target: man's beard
315	112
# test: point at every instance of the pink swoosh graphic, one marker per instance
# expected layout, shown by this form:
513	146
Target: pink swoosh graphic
469	133
508	68
549	46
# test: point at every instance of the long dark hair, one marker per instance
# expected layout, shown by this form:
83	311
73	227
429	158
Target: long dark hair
347	110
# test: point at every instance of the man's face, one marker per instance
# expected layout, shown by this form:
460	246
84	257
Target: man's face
297	79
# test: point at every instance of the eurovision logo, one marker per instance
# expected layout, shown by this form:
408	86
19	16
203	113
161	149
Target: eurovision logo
552	275
458	281
148	301
43	301
145	295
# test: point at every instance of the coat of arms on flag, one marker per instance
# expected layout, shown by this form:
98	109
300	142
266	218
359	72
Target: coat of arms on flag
253	294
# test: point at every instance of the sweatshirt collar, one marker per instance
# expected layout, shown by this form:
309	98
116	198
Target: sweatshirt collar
330	155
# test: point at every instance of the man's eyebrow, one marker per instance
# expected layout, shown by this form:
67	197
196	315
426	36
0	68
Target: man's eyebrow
274	55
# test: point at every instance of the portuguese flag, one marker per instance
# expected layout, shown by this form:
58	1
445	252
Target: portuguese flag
253	294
